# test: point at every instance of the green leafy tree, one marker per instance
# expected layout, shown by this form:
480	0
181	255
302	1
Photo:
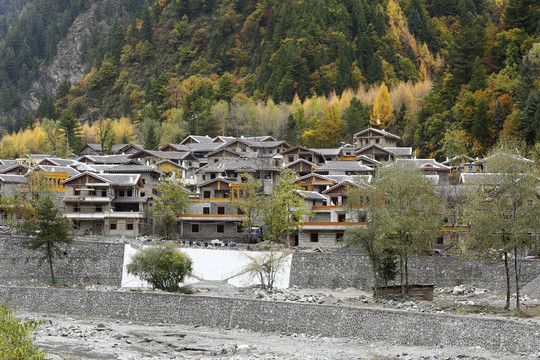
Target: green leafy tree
249	200
403	210
225	88
106	136
17	338
172	200
503	209
48	230
163	266
284	212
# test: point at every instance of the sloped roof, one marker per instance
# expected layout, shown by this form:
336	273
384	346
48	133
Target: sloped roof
167	161
171	155
368	159
318	176
428	164
400	151
299	161
343	166
343	183
302	148
214	180
50	168
380	132
57	161
458	157
327	152
8	168
133	169
383	149
197	138
113	179
310	195
239	164
13	179
105	159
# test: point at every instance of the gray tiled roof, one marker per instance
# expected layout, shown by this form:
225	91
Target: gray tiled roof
327	152
344	166
243	165
105	159
427	163
136	169
57	161
400	151
14	179
71	172
378	131
310	195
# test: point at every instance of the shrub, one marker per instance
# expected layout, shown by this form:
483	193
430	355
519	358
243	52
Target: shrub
163	266
17	337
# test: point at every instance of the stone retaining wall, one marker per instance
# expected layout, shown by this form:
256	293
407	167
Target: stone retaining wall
78	263
392	326
342	270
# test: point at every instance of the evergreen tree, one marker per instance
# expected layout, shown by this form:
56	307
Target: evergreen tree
480	128
530	119
499	116
48	230
522	14
355	118
72	130
375	71
528	72
225	89
468	46
151	139
478	77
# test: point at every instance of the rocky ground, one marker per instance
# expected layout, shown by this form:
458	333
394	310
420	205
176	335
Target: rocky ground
89	338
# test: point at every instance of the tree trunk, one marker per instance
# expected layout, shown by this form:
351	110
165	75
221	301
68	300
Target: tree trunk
401	275
507	270
49	258
516	271
406	274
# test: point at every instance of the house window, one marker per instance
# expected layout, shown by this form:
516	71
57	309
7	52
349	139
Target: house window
206	210
221	210
195	228
206	194
239	227
77	191
216	160
314	237
334	200
76	208
440	240
99	209
121	193
341	218
143	193
143	181
339	237
130	193
291	159
129	226
204	177
103	193
154	191
212	176
377	141
220	228
113	226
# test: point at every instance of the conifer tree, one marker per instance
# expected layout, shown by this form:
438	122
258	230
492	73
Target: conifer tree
498	116
382	116
355	118
478	77
480	128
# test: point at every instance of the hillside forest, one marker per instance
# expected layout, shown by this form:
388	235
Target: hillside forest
450	77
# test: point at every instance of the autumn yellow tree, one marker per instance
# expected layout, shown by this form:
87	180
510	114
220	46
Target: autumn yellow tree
326	132
382	116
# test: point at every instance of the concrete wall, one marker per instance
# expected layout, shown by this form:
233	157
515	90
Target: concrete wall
346	269
78	263
391	326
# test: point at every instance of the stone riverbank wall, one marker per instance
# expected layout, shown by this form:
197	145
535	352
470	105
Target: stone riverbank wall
80	262
392	326
342	270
